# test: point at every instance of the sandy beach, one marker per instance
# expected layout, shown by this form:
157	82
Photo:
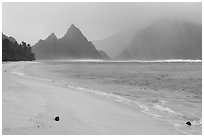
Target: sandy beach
30	105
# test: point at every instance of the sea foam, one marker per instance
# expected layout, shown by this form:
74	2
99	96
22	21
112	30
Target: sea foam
135	61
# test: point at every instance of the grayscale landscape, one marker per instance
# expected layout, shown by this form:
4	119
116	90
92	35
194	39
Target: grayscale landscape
102	68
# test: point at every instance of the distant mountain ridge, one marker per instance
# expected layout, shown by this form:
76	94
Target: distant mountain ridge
73	45
166	39
116	43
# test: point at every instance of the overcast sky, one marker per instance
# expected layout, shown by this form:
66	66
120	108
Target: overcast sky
33	21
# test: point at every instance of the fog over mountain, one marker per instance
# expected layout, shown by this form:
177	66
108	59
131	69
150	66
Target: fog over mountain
116	43
166	39
163	39
104	55
123	30
97	20
73	45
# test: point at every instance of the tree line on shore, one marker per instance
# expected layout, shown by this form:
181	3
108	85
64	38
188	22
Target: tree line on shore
12	51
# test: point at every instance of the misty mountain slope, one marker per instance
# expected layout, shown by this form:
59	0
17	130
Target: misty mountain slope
104	55
166	39
73	45
46	49
116	43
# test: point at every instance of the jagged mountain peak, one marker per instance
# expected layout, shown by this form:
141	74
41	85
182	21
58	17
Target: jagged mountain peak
51	37
73	45
73	31
73	26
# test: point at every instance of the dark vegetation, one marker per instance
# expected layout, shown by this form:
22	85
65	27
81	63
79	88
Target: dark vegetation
12	51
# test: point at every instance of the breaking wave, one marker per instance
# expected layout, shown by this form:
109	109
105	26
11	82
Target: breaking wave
134	61
156	110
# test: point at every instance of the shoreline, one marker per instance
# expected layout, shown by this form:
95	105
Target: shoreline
29	103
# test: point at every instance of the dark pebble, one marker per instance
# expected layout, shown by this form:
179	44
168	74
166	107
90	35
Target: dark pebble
188	123
57	118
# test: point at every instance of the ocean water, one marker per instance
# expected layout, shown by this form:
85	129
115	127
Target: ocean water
166	90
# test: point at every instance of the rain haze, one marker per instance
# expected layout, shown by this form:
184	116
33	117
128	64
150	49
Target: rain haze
33	21
113	68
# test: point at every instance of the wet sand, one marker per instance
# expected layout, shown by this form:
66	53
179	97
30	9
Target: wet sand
30	105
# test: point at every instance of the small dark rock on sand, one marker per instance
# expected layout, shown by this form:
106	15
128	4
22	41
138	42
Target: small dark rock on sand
57	118
188	123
